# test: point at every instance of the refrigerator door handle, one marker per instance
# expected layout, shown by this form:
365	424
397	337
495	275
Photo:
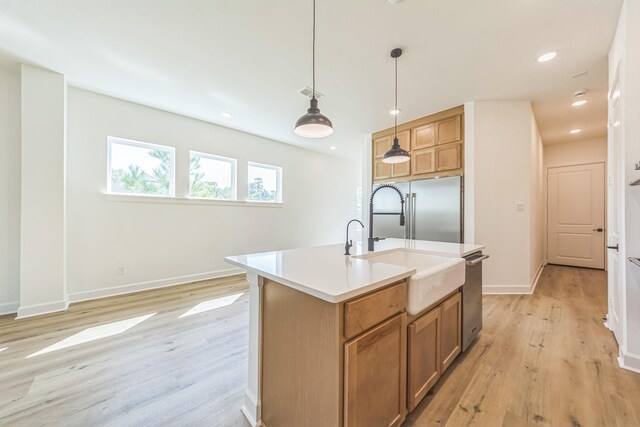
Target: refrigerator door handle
413	215
407	223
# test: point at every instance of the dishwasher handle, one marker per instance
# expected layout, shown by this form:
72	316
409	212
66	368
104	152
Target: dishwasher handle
477	261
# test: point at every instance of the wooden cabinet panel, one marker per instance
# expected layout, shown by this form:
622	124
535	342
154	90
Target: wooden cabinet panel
399	170
424	367
449	130
451	336
423	136
381	170
381	145
404	139
365	312
423	161
375	376
448	157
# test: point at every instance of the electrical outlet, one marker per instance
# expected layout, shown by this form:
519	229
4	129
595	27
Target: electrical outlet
519	207
122	270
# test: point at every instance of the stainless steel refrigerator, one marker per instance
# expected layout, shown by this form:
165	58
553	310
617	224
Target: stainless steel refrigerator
434	210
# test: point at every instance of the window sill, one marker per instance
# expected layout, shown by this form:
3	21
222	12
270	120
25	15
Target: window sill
135	198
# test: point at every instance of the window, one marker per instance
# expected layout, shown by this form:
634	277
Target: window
212	177
140	168
265	183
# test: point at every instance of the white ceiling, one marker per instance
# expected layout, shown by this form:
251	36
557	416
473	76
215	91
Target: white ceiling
252	57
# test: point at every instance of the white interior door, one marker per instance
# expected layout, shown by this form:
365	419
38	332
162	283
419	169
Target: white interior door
615	217
576	208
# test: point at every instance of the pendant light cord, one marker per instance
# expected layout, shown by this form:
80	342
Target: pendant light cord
395	116
313	49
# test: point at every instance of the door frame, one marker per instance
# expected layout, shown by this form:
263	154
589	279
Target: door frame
616	210
546	205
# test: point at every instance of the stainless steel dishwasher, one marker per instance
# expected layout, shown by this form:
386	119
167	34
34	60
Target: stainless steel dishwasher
472	299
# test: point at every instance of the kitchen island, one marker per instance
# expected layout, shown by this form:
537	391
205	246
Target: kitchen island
329	341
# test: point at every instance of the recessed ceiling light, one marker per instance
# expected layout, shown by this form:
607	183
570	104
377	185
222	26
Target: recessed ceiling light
547	56
395	111
227	115
578	102
574	131
332	147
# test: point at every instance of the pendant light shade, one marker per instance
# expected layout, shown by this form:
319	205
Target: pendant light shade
314	124
396	154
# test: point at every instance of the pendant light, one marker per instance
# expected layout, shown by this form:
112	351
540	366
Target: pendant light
314	124
396	154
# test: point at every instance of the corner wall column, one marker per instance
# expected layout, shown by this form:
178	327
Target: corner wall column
43	217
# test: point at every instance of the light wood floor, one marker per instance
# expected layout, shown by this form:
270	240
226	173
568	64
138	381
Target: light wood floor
166	370
543	360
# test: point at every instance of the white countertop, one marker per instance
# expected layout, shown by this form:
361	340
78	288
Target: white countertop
325	272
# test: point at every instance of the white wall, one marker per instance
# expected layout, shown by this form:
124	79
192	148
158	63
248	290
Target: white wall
9	188
43	268
506	170
165	242
576	153
625	51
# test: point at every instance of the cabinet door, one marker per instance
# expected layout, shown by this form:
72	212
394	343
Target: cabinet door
381	170
380	146
423	161
451	330
424	356
449	130
423	136
375	383
448	157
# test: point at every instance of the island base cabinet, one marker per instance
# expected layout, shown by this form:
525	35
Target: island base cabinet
375	376
424	367
451	343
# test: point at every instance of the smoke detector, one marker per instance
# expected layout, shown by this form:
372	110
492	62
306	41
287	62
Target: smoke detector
308	92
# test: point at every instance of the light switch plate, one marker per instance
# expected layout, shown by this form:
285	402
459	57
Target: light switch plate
519	207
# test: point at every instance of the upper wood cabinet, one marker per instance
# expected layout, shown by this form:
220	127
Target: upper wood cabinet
449	130
448	157
435	143
451	342
381	170
423	161
381	145
423	136
375	376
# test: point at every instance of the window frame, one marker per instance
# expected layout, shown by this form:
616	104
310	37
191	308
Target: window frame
147	145
234	175
279	172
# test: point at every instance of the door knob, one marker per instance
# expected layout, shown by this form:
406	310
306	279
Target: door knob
613	247
599	230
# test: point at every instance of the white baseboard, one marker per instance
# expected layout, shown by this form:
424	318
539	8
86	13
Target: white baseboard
9	308
40	309
514	289
251	409
629	361
536	277
152	284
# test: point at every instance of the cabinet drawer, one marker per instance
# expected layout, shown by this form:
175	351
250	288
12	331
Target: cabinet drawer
365	312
